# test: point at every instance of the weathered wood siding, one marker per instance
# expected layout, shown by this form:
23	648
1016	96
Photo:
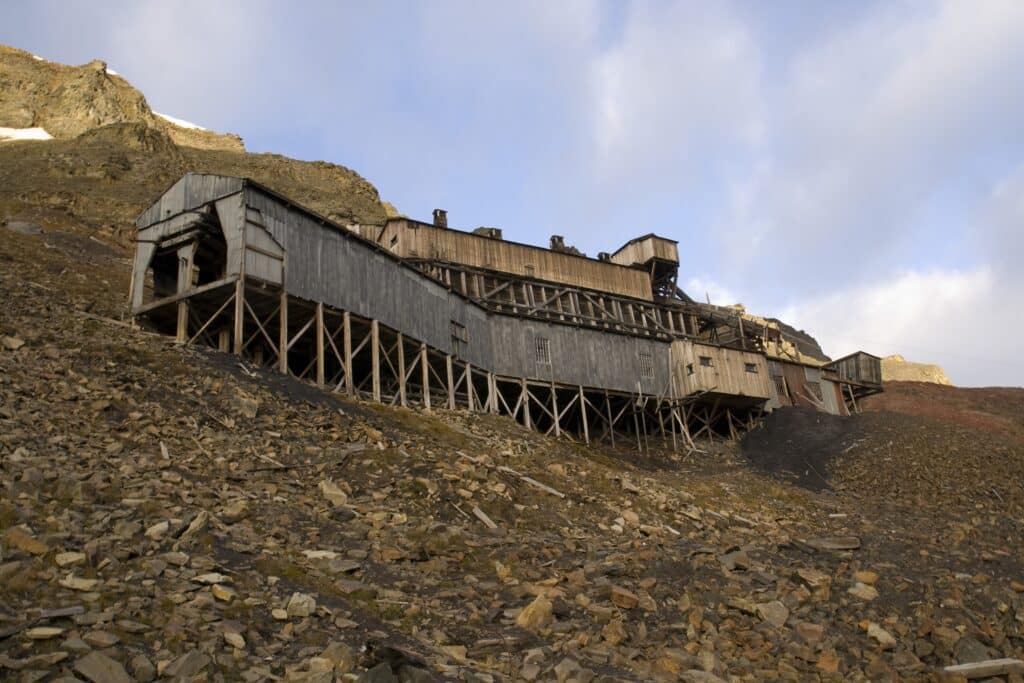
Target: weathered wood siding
860	367
579	356
644	249
724	373
191	191
411	239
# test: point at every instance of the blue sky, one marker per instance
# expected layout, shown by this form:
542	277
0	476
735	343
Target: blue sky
856	168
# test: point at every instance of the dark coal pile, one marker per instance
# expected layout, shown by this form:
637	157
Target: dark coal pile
799	443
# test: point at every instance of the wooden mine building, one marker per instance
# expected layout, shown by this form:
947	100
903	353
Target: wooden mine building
602	348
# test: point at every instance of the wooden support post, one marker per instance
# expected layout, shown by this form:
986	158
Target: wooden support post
471	402
282	337
611	423
320	379
525	400
223	340
375	358
554	410
401	371
425	375
451	381
239	315
350	380
182	331
492	394
583	412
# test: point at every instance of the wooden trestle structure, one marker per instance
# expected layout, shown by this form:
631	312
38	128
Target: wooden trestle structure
361	358
422	315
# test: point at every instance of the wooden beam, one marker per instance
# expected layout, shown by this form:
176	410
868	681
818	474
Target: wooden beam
525	398
469	388
401	371
350	380
282	343
583	412
451	381
320	343
554	407
239	315
425	377
375	358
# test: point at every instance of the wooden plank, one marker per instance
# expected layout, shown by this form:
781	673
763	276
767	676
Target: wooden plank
482	516
282	344
425	377
239	315
401	371
451	381
987	668
375	358
320	343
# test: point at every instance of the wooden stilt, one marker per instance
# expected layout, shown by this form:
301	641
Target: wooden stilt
223	340
583	413
282	337
470	400
425	377
401	370
554	410
525	399
320	371
239	315
375	358
451	381
611	422
350	380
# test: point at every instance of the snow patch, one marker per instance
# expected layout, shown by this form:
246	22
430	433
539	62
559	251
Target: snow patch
38	58
112	72
8	134
179	122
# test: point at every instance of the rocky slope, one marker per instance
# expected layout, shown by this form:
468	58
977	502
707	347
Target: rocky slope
167	512
896	368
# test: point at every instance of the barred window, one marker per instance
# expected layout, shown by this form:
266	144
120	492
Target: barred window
705	361
750	367
646	365
542	349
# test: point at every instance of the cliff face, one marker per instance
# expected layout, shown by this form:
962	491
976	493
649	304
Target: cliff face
896	368
110	154
67	101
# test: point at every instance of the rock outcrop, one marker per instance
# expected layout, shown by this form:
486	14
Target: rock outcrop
896	368
111	154
68	101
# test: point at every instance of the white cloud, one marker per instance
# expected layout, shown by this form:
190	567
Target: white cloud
681	78
867	126
955	318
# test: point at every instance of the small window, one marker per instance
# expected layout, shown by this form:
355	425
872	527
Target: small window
705	362
689	368
394	240
750	367
542	348
646	365
459	332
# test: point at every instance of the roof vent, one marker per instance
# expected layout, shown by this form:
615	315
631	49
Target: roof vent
440	218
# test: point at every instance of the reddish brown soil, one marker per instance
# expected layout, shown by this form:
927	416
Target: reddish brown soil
998	410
